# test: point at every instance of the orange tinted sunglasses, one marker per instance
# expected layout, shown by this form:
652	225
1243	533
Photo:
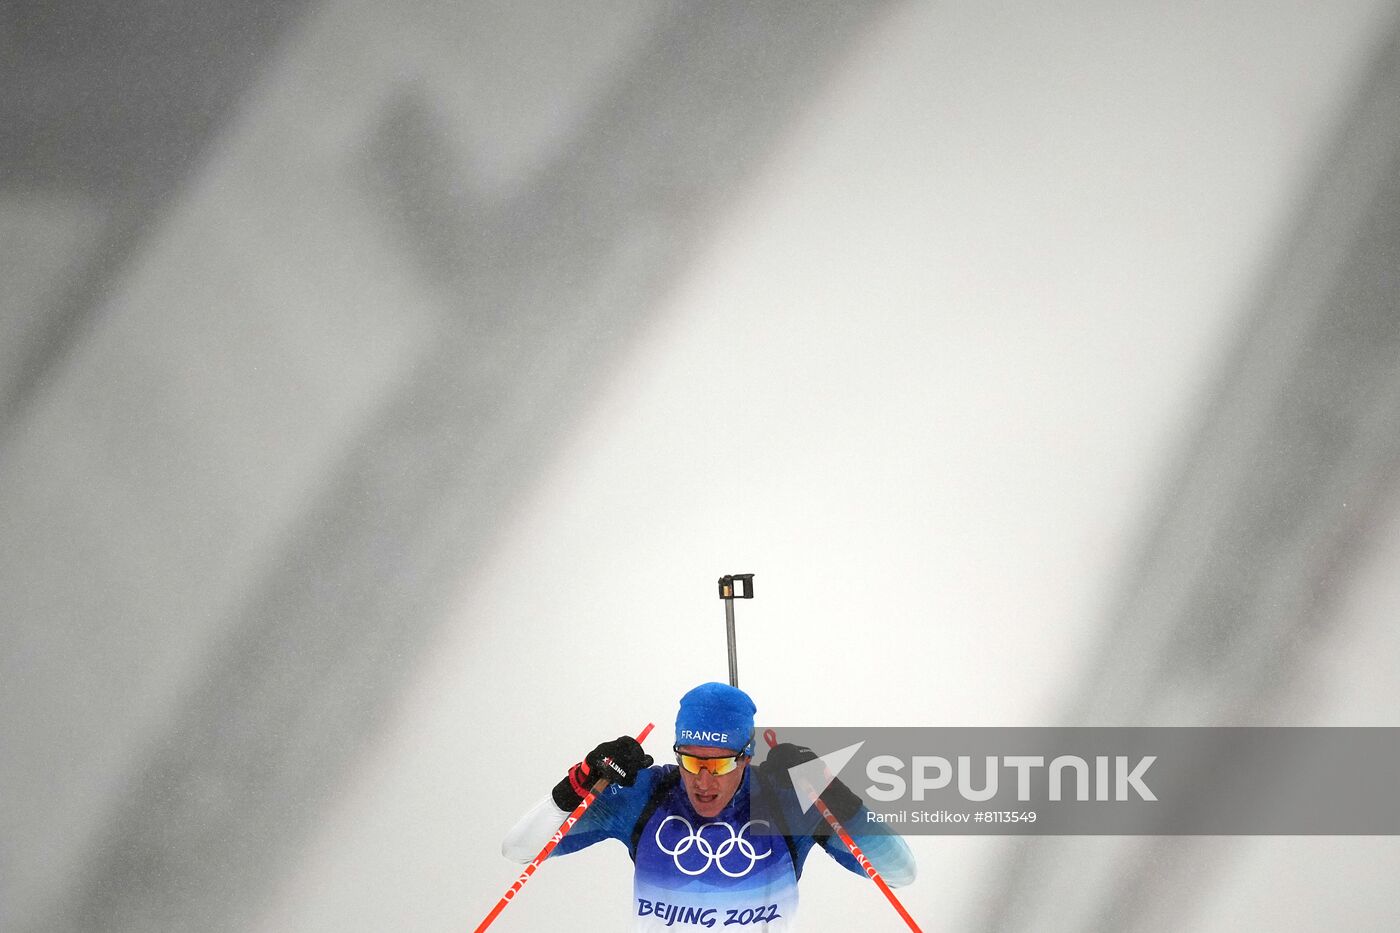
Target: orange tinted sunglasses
718	765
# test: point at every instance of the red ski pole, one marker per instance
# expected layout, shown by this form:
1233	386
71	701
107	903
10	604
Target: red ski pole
560	833
772	739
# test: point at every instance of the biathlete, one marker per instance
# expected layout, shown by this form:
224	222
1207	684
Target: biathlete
701	860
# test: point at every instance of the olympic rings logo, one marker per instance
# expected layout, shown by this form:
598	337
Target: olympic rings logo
712	850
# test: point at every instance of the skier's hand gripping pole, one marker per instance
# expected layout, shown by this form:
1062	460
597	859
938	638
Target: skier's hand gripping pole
559	834
772	739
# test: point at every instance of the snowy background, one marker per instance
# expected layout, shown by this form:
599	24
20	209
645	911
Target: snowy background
385	386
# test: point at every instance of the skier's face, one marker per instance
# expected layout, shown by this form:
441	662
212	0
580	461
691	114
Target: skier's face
710	793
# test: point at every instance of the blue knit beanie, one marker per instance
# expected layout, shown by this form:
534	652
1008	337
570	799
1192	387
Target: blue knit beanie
716	714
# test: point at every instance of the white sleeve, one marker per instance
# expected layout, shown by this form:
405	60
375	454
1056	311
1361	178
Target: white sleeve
530	833
890	855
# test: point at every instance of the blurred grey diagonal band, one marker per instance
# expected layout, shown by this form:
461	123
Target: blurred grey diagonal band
1295	460
117	105
541	295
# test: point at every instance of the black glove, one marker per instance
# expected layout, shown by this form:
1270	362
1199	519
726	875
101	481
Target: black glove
843	802
617	762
